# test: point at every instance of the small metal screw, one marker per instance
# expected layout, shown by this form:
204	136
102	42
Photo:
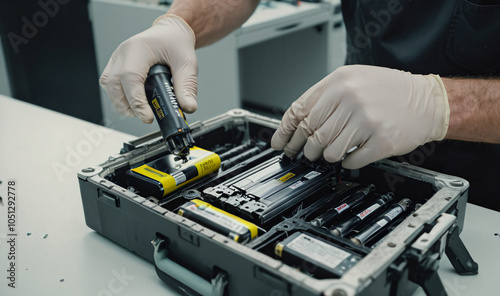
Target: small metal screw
391	245
191	194
88	170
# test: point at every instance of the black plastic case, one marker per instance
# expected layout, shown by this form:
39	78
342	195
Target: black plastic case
198	260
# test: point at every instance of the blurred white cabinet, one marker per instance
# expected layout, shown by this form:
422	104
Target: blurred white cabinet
337	49
268	62
283	51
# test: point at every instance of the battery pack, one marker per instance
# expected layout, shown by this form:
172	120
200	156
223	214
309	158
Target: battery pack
218	220
315	256
165	175
264	192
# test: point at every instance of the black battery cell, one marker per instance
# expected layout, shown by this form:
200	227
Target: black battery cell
315	255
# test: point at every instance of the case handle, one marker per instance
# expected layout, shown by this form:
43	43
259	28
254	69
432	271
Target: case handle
181	274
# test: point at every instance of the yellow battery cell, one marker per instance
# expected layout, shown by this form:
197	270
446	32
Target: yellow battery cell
161	177
218	220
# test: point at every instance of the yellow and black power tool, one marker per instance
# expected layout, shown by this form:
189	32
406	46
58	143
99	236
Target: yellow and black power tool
185	163
168	113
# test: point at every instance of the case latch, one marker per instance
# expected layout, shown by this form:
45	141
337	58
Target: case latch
109	198
425	253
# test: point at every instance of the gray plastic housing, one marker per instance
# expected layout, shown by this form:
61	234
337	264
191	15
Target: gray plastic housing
134	221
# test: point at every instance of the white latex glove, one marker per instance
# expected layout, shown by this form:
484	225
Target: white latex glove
170	41
383	112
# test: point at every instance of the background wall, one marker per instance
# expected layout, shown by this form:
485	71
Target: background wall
49	54
4	79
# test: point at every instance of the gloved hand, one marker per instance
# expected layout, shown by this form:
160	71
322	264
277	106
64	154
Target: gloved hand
383	112
170	41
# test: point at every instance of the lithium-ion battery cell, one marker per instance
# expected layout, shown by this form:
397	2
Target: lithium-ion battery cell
218	220
165	175
265	191
382	221
315	255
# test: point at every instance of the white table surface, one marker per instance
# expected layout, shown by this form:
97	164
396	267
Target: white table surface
43	150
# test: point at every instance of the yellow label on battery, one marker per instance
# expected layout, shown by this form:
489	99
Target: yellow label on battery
286	177
158	110
205	162
278	250
252	227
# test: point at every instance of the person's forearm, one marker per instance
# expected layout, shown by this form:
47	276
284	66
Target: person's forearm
211	20
474	109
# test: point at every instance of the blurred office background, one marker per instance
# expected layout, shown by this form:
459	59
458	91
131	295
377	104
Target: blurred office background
52	52
49	60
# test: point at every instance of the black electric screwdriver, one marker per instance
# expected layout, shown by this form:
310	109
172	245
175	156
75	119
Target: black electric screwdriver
168	113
